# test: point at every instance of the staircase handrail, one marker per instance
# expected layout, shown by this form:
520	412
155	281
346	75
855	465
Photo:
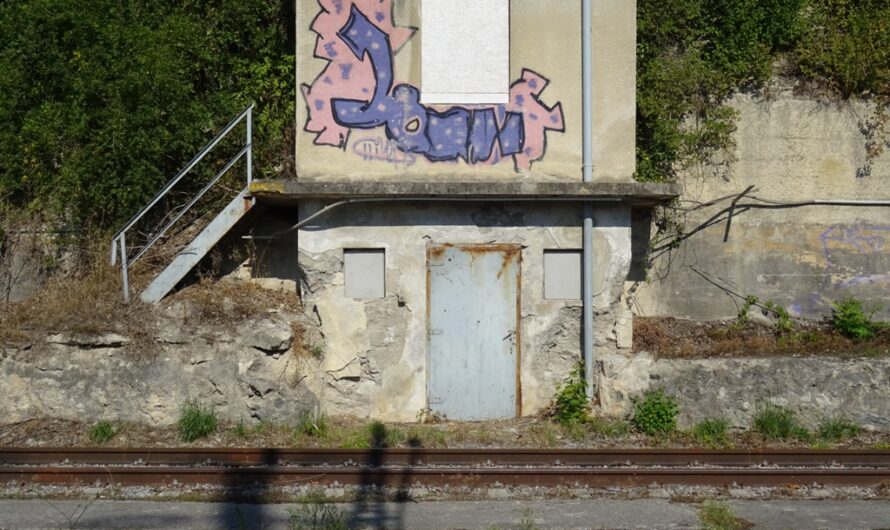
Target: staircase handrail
119	241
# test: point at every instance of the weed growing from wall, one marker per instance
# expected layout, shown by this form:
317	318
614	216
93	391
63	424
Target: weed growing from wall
571	404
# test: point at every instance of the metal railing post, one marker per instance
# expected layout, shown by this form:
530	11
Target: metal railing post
249	145
125	277
119	241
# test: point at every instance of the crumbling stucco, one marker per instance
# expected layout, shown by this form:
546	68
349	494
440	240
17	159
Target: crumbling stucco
375	360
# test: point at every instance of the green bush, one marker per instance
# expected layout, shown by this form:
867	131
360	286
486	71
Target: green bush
571	404
711	432
837	429
196	421
846	45
102	432
656	413
693	54
101	102
850	319
778	423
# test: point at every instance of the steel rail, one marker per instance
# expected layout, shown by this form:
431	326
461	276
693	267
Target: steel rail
438	476
442	457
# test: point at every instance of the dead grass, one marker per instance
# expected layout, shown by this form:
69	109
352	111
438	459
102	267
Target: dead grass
676	338
228	301
89	302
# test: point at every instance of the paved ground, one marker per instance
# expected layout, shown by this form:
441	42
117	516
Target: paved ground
441	515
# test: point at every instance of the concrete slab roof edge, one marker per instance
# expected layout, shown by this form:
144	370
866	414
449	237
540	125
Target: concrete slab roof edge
287	190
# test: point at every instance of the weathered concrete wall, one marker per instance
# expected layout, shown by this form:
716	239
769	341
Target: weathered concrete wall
791	149
375	363
814	387
390	135
250	372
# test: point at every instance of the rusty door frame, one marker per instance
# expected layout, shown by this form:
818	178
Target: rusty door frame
510	249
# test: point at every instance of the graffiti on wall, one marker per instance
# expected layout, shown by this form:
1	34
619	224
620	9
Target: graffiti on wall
357	90
855	256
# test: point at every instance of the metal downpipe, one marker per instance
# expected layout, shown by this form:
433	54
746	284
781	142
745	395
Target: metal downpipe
587	245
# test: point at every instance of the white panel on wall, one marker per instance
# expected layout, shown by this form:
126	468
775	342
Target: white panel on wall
562	274
466	51
365	271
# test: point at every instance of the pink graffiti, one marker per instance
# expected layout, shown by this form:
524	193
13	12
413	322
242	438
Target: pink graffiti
348	77
345	77
537	117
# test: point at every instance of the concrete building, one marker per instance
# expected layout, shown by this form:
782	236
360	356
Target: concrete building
440	185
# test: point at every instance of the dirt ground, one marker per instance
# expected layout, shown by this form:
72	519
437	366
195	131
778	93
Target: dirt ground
348	433
675	338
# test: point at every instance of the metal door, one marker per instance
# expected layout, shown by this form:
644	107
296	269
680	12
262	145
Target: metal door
473	329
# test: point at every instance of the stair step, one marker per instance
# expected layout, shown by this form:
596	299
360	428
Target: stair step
188	257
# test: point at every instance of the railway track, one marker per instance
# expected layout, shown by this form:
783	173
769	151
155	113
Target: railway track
438	467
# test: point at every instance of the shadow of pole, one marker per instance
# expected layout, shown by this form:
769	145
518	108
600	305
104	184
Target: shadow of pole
370	508
244	493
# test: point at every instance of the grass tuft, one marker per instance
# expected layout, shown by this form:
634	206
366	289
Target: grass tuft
316	512
311	424
718	516
778	423
837	429
712	432
102	432
196	421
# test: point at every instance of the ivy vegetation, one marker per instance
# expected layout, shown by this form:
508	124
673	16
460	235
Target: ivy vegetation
101	102
694	54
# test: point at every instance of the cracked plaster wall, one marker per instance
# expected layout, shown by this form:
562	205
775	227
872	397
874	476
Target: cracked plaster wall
374	362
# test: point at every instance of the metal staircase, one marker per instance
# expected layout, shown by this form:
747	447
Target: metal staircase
188	257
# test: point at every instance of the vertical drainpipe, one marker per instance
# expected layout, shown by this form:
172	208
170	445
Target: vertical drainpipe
587	245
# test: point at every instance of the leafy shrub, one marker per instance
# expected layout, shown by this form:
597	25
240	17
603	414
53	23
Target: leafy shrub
711	432
691	55
846	45
196	422
571	404
656	413
850	319
837	429
778	423
102	432
311	424
101	102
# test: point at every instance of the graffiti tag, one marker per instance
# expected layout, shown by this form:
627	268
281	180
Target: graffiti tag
358	91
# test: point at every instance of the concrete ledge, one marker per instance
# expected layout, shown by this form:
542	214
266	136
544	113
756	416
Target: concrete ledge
638	193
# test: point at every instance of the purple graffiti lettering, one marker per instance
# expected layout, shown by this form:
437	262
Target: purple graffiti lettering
415	128
476	135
